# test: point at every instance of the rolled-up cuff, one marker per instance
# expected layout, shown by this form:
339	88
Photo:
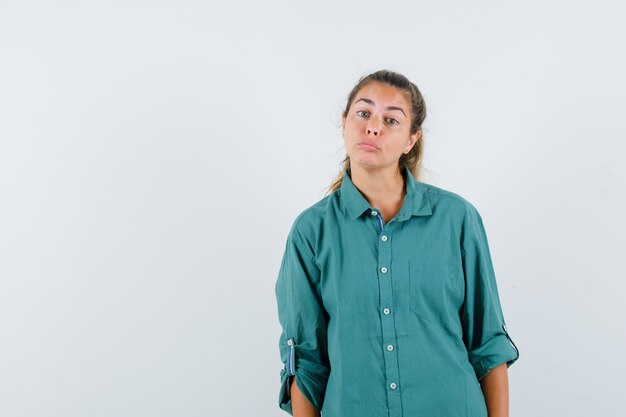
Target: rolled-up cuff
496	351
311	378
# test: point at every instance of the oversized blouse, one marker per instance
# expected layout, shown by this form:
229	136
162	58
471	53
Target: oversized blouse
401	319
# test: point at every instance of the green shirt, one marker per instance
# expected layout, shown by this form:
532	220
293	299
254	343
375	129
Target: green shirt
400	319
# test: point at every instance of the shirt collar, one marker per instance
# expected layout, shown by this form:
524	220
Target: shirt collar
415	201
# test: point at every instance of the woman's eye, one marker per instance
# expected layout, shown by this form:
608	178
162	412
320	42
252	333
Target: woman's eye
389	119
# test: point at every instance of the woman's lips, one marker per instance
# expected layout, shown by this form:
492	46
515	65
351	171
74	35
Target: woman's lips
368	147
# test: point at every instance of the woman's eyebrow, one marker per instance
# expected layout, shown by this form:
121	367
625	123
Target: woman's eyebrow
369	101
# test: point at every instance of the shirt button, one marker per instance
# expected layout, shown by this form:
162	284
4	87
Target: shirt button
383	270
384	238
374	213
386	311
392	385
389	348
289	342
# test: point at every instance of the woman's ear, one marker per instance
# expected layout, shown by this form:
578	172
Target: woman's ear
414	138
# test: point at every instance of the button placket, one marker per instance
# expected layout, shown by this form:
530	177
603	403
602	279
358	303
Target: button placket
381	224
389	336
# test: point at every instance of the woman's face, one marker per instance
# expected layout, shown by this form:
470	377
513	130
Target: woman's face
377	128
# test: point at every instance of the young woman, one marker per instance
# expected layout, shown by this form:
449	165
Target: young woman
386	292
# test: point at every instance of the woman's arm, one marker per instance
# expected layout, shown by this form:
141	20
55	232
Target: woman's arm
301	406
495	386
303	342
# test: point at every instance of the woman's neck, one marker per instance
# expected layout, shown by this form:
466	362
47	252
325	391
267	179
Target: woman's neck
382	188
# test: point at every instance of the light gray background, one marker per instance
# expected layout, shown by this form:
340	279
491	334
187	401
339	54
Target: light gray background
154	154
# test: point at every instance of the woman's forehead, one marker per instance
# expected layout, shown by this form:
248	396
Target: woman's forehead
382	94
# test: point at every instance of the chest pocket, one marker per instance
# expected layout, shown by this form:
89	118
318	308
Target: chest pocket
434	292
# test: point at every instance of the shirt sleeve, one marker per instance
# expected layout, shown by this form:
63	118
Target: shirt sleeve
303	341
484	329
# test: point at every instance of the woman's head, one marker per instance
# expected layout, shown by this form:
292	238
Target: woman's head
386	110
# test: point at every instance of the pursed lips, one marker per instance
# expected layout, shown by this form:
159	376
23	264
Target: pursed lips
368	145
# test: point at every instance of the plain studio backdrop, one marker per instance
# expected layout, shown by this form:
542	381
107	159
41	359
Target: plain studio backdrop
153	156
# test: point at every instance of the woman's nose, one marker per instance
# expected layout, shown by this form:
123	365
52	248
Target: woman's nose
373	126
